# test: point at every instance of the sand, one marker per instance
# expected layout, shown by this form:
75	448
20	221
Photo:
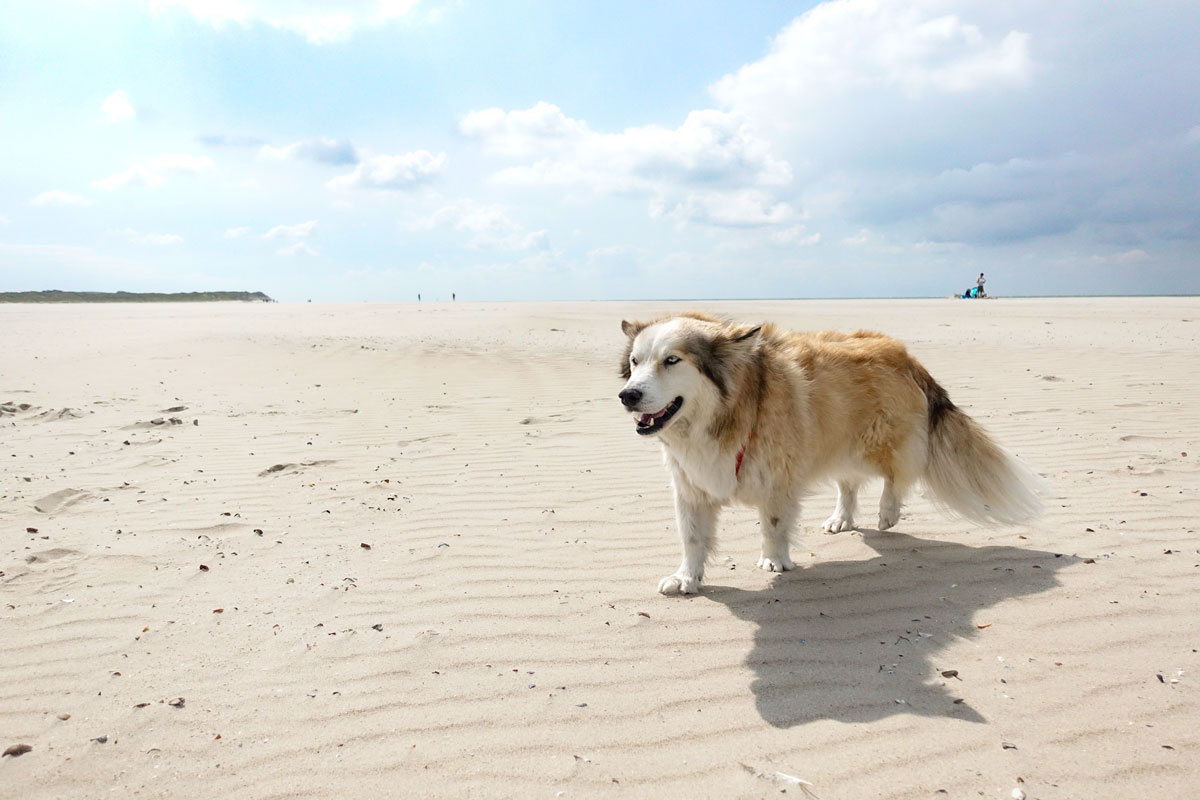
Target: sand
274	551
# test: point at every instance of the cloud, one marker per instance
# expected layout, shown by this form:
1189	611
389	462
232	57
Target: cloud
301	230
849	46
1143	189
403	171
153	239
796	235
886	85
57	197
713	169
298	248
314	21
321	150
710	147
236	233
155	171
950	123
300	233
489	226
859	239
529	131
738	209
117	108
222	140
5	221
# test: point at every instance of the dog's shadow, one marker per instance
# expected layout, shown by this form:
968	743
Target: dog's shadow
858	641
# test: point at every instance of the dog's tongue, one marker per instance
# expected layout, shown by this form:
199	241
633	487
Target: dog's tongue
646	419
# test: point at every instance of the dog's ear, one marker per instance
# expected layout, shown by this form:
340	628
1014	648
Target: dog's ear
719	356
631	329
743	333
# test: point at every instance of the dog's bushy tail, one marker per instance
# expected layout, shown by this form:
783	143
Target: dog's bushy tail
969	473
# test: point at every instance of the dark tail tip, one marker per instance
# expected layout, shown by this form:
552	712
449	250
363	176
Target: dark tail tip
938	401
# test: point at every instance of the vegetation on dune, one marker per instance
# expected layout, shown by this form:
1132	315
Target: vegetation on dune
55	296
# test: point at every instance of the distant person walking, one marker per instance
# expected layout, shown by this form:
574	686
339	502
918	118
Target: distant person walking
979	283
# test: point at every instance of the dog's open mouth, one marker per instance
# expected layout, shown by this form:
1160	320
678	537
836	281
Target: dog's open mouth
653	423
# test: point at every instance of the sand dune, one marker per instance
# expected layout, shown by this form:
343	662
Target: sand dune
320	551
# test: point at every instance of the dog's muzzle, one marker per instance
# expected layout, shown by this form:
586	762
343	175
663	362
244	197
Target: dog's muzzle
648	423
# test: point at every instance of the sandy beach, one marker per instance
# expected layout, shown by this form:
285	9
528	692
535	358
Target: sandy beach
274	551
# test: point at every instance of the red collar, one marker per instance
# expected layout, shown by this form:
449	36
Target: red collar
742	454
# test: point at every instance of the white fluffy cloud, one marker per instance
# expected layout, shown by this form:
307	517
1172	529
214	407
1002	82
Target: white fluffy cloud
300	248
57	197
531	131
746	208
886	84
402	171
488	226
319	23
714	169
155	171
321	150
846	46
944	122
117	108
906	126
236	233
299	234
710	147
301	230
797	235
226	140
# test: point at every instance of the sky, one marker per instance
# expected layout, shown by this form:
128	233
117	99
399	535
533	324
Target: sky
530	150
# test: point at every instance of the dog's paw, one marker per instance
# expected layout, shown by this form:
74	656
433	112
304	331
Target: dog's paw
776	563
679	584
837	523
888	518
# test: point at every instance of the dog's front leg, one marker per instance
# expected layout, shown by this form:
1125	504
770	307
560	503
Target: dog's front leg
777	518
696	515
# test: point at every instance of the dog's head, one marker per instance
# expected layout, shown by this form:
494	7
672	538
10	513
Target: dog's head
681	368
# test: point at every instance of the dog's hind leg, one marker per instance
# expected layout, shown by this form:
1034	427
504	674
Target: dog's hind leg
696	515
777	517
900	472
842	518
889	504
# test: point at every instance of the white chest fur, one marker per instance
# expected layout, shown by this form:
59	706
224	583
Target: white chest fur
705	466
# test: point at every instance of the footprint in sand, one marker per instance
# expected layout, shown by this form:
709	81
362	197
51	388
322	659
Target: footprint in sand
62	413
9	408
59	500
292	469
49	555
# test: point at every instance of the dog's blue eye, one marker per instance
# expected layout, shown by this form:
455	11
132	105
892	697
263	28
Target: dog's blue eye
633	361
670	360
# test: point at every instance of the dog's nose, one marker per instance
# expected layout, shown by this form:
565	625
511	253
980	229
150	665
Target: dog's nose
630	397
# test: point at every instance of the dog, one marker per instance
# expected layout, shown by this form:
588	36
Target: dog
756	415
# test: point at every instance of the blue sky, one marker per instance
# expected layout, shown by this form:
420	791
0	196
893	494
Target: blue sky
619	150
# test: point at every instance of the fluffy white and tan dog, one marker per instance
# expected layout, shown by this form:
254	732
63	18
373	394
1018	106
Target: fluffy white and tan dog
754	414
